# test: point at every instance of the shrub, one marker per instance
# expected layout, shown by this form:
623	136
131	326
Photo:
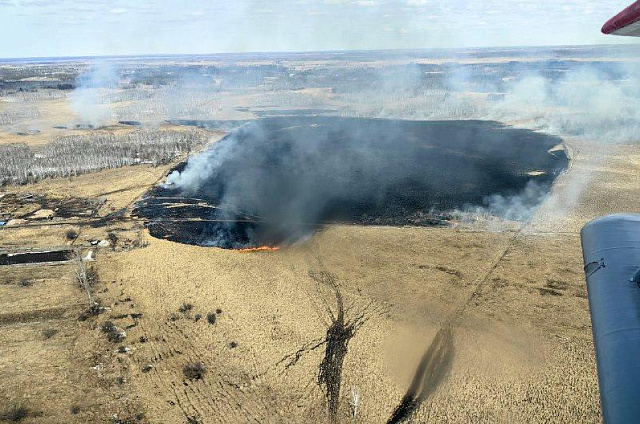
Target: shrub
86	278
15	414
92	276
26	283
94	310
113	239
108	326
211	318
71	234
128	417
115	334
194	370
186	307
49	332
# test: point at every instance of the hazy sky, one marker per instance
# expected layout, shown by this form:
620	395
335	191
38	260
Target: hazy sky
31	28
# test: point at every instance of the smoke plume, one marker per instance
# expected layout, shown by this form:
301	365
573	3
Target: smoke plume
256	176
89	101
275	180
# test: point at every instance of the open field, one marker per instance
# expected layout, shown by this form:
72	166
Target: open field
484	320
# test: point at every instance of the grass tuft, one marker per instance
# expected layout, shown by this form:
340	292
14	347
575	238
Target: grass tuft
194	370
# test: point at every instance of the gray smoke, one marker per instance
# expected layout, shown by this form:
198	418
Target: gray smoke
596	101
285	176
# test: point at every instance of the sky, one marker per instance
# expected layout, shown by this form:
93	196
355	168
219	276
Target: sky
46	28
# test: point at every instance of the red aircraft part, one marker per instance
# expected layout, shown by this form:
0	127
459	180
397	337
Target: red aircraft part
626	22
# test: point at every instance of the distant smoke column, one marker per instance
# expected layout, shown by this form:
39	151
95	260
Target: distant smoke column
611	250
88	101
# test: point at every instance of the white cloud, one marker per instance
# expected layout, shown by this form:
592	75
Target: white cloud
361	3
365	3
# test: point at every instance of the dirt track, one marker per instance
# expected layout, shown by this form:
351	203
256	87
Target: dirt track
433	368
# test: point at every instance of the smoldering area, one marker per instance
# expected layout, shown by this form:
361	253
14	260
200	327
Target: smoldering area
276	180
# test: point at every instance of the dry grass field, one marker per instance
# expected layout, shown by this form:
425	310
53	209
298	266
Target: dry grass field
519	349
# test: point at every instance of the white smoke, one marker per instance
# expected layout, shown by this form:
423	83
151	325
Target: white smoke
586	102
90	101
202	167
591	106
595	100
518	207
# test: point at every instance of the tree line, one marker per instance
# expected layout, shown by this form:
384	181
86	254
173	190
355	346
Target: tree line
78	154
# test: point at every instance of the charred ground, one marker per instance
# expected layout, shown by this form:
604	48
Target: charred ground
276	180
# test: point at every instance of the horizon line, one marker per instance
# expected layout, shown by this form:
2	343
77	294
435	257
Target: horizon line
302	52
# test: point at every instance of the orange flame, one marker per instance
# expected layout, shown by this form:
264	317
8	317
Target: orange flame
260	249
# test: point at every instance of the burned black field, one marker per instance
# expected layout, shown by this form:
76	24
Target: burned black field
275	180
